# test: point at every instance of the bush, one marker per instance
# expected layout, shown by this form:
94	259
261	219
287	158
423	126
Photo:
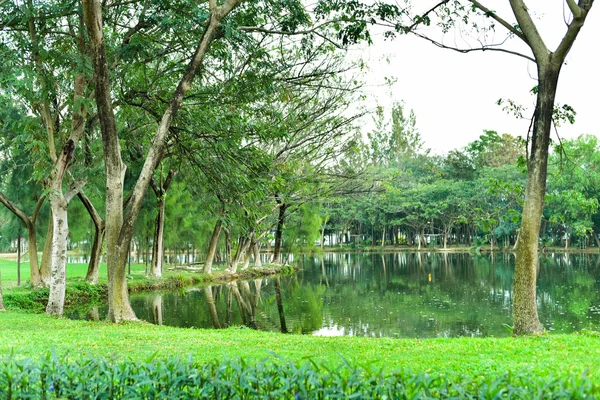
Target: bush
76	295
270	379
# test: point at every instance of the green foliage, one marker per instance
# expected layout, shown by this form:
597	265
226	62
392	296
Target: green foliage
77	294
271	378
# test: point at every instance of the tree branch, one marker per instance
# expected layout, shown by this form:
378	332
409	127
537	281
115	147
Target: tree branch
530	31
483	48
15	209
574	8
76	188
501	21
572	31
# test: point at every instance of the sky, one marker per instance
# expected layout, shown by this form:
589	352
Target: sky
454	95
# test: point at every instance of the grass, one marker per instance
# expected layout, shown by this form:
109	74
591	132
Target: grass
32	335
545	358
75	272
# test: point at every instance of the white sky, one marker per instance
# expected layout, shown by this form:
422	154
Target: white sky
454	95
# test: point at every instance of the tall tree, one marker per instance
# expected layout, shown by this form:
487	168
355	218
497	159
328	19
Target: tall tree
548	63
120	227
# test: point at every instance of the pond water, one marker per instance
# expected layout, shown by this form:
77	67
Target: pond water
387	295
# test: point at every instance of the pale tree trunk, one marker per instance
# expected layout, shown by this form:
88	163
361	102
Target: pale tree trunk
212	246
256	251
247	259
383	237
445	239
119	229
212	309
160	190
243	246
96	253
157	309
46	266
29	222
59	206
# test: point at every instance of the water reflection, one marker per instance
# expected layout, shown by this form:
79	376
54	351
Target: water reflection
391	295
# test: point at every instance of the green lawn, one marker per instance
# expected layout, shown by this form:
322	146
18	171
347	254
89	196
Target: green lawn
35	335
75	272
31	335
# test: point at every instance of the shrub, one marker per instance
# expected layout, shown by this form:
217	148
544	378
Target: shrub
274	378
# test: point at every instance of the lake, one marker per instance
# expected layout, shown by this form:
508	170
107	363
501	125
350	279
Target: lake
414	295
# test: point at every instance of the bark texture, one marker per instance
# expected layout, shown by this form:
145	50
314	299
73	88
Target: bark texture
525	316
59	205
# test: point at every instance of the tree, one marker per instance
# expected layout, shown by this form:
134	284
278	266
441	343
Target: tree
120	227
548	64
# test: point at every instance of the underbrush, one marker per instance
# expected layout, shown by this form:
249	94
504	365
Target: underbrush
272	378
76	294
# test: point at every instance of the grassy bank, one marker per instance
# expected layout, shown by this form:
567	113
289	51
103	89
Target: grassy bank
551	366
30	335
80	293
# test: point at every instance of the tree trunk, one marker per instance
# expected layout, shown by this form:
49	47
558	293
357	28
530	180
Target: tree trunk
46	266
157	309
256	251
279	232
596	238
119	229
212	309
279	300
96	253
94	264
212	246
158	244
19	258
60	235
59	204
158	254
446	238
383	237
29	222
525	316
323	232
243	246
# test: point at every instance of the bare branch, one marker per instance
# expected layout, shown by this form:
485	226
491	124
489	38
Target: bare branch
483	48
314	29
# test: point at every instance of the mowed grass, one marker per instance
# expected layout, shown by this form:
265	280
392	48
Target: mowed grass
75	272
31	335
